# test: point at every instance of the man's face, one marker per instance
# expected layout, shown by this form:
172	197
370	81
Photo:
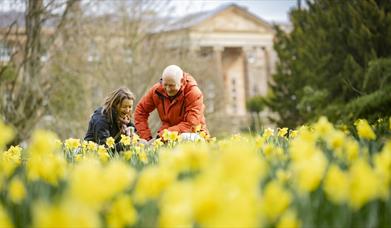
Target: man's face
171	86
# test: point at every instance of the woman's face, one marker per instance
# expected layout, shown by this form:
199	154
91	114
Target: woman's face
125	108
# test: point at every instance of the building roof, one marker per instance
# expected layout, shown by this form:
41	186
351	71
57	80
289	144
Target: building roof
17	18
194	19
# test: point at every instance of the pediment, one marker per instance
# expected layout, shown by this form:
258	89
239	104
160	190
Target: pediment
233	20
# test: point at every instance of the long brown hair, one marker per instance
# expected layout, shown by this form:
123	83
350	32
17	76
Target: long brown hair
114	99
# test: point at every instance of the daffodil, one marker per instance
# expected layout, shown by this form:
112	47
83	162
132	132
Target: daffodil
72	144
135	139
363	185
92	146
121	212
267	133
197	128
157	144
308	173
6	134
275	201
289	220
127	155
282	132
143	157
293	134
351	149
5	220
336	139
151	183
336	184
66	214
110	142
323	127
125	140
17	191
43	142
10	160
176	206
173	136
364	130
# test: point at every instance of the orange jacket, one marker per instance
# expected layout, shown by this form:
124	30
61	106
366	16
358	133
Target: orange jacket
182	114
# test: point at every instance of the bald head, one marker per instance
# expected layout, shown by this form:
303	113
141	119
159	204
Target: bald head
173	72
171	78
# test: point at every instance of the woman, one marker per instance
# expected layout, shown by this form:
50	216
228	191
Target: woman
113	118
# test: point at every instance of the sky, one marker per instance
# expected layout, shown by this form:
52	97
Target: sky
269	10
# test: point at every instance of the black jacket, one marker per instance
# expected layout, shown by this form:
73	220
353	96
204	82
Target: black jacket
100	128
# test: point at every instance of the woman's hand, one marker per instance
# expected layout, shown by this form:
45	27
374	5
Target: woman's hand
124	120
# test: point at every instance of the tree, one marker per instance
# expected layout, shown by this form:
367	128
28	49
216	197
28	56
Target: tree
25	94
255	106
324	63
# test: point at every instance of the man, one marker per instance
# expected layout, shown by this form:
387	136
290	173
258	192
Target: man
179	103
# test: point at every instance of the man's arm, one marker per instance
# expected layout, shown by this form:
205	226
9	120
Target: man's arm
193	111
141	115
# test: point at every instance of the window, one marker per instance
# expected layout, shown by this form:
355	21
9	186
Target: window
128	55
210	96
93	54
5	53
44	57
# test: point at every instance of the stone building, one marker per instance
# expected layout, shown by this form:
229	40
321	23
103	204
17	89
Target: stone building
241	45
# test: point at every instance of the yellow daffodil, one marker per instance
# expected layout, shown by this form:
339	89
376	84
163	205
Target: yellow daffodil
309	172
125	140
157	144
72	144
275	200
351	149
267	133
289	220
5	220
42	143
92	146
127	155
143	157
336	139
364	184
282	132
110	142
364	130
336	184
197	128
121	212
10	160
173	136
323	127
176	206
135	139
6	134
17	191
293	134
151	183
66	214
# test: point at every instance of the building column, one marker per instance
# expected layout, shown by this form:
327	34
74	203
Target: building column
194	48
218	54
267	52
248	59
218	58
